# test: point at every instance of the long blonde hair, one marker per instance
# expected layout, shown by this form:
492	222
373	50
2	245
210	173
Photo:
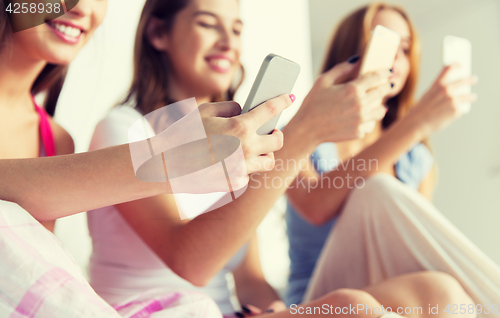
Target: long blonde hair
351	37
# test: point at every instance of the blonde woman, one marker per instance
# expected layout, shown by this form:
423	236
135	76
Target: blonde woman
369	217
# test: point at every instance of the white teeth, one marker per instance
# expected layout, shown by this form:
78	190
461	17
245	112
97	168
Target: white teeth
67	30
222	63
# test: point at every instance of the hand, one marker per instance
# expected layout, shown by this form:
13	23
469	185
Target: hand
440	105
193	162
336	111
252	311
225	119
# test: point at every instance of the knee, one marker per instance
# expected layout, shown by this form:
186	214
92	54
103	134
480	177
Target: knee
443	289
380	184
346	297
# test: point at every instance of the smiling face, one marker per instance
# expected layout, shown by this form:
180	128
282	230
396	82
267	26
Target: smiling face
204	47
394	21
58	41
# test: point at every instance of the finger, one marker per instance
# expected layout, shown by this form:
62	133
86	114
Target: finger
262	163
338	73
378	93
270	143
266	111
249	309
374	113
373	79
277	306
443	76
466	98
223	109
463	82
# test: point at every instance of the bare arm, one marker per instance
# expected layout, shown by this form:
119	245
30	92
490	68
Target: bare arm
198	249
426	187
437	109
251	285
318	204
53	187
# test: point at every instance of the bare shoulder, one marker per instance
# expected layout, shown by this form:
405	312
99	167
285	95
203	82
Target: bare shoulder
63	140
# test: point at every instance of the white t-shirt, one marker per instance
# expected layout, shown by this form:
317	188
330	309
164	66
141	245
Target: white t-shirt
122	267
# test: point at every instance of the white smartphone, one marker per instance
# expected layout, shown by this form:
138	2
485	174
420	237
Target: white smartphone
276	77
381	50
379	54
459	50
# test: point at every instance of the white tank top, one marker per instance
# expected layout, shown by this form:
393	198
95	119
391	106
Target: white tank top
122	267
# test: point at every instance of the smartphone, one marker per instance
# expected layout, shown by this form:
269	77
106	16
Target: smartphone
380	54
381	50
459	50
276	77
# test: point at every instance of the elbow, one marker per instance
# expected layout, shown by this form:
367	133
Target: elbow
316	218
316	215
309	209
198	280
195	276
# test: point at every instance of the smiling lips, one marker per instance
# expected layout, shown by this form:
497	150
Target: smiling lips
219	64
66	32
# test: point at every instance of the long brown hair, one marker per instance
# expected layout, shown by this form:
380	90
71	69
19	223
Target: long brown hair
351	37
50	80
149	89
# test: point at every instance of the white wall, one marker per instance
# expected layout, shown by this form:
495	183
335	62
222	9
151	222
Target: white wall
468	152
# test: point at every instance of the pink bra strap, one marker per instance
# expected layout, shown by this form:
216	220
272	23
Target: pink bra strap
46	132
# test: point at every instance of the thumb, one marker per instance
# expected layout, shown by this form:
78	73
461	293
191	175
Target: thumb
342	72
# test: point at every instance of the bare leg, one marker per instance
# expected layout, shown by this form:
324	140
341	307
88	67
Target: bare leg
422	290
346	300
411	294
387	229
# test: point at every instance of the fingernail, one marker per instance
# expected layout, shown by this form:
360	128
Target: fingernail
239	314
270	310
353	59
292	97
391	70
245	309
392	85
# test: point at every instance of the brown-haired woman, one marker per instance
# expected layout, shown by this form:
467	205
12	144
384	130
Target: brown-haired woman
142	249
344	232
33	61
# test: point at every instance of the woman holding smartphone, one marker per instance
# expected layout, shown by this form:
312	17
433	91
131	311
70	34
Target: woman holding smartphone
351	234
33	61
143	249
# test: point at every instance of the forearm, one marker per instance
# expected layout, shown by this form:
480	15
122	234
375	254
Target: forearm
208	242
323	199
55	187
257	293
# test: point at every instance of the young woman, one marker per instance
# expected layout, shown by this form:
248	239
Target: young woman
143	249
341	236
38	277
34	61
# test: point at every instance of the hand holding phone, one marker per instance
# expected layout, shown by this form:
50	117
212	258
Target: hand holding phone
380	54
276	77
458	50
